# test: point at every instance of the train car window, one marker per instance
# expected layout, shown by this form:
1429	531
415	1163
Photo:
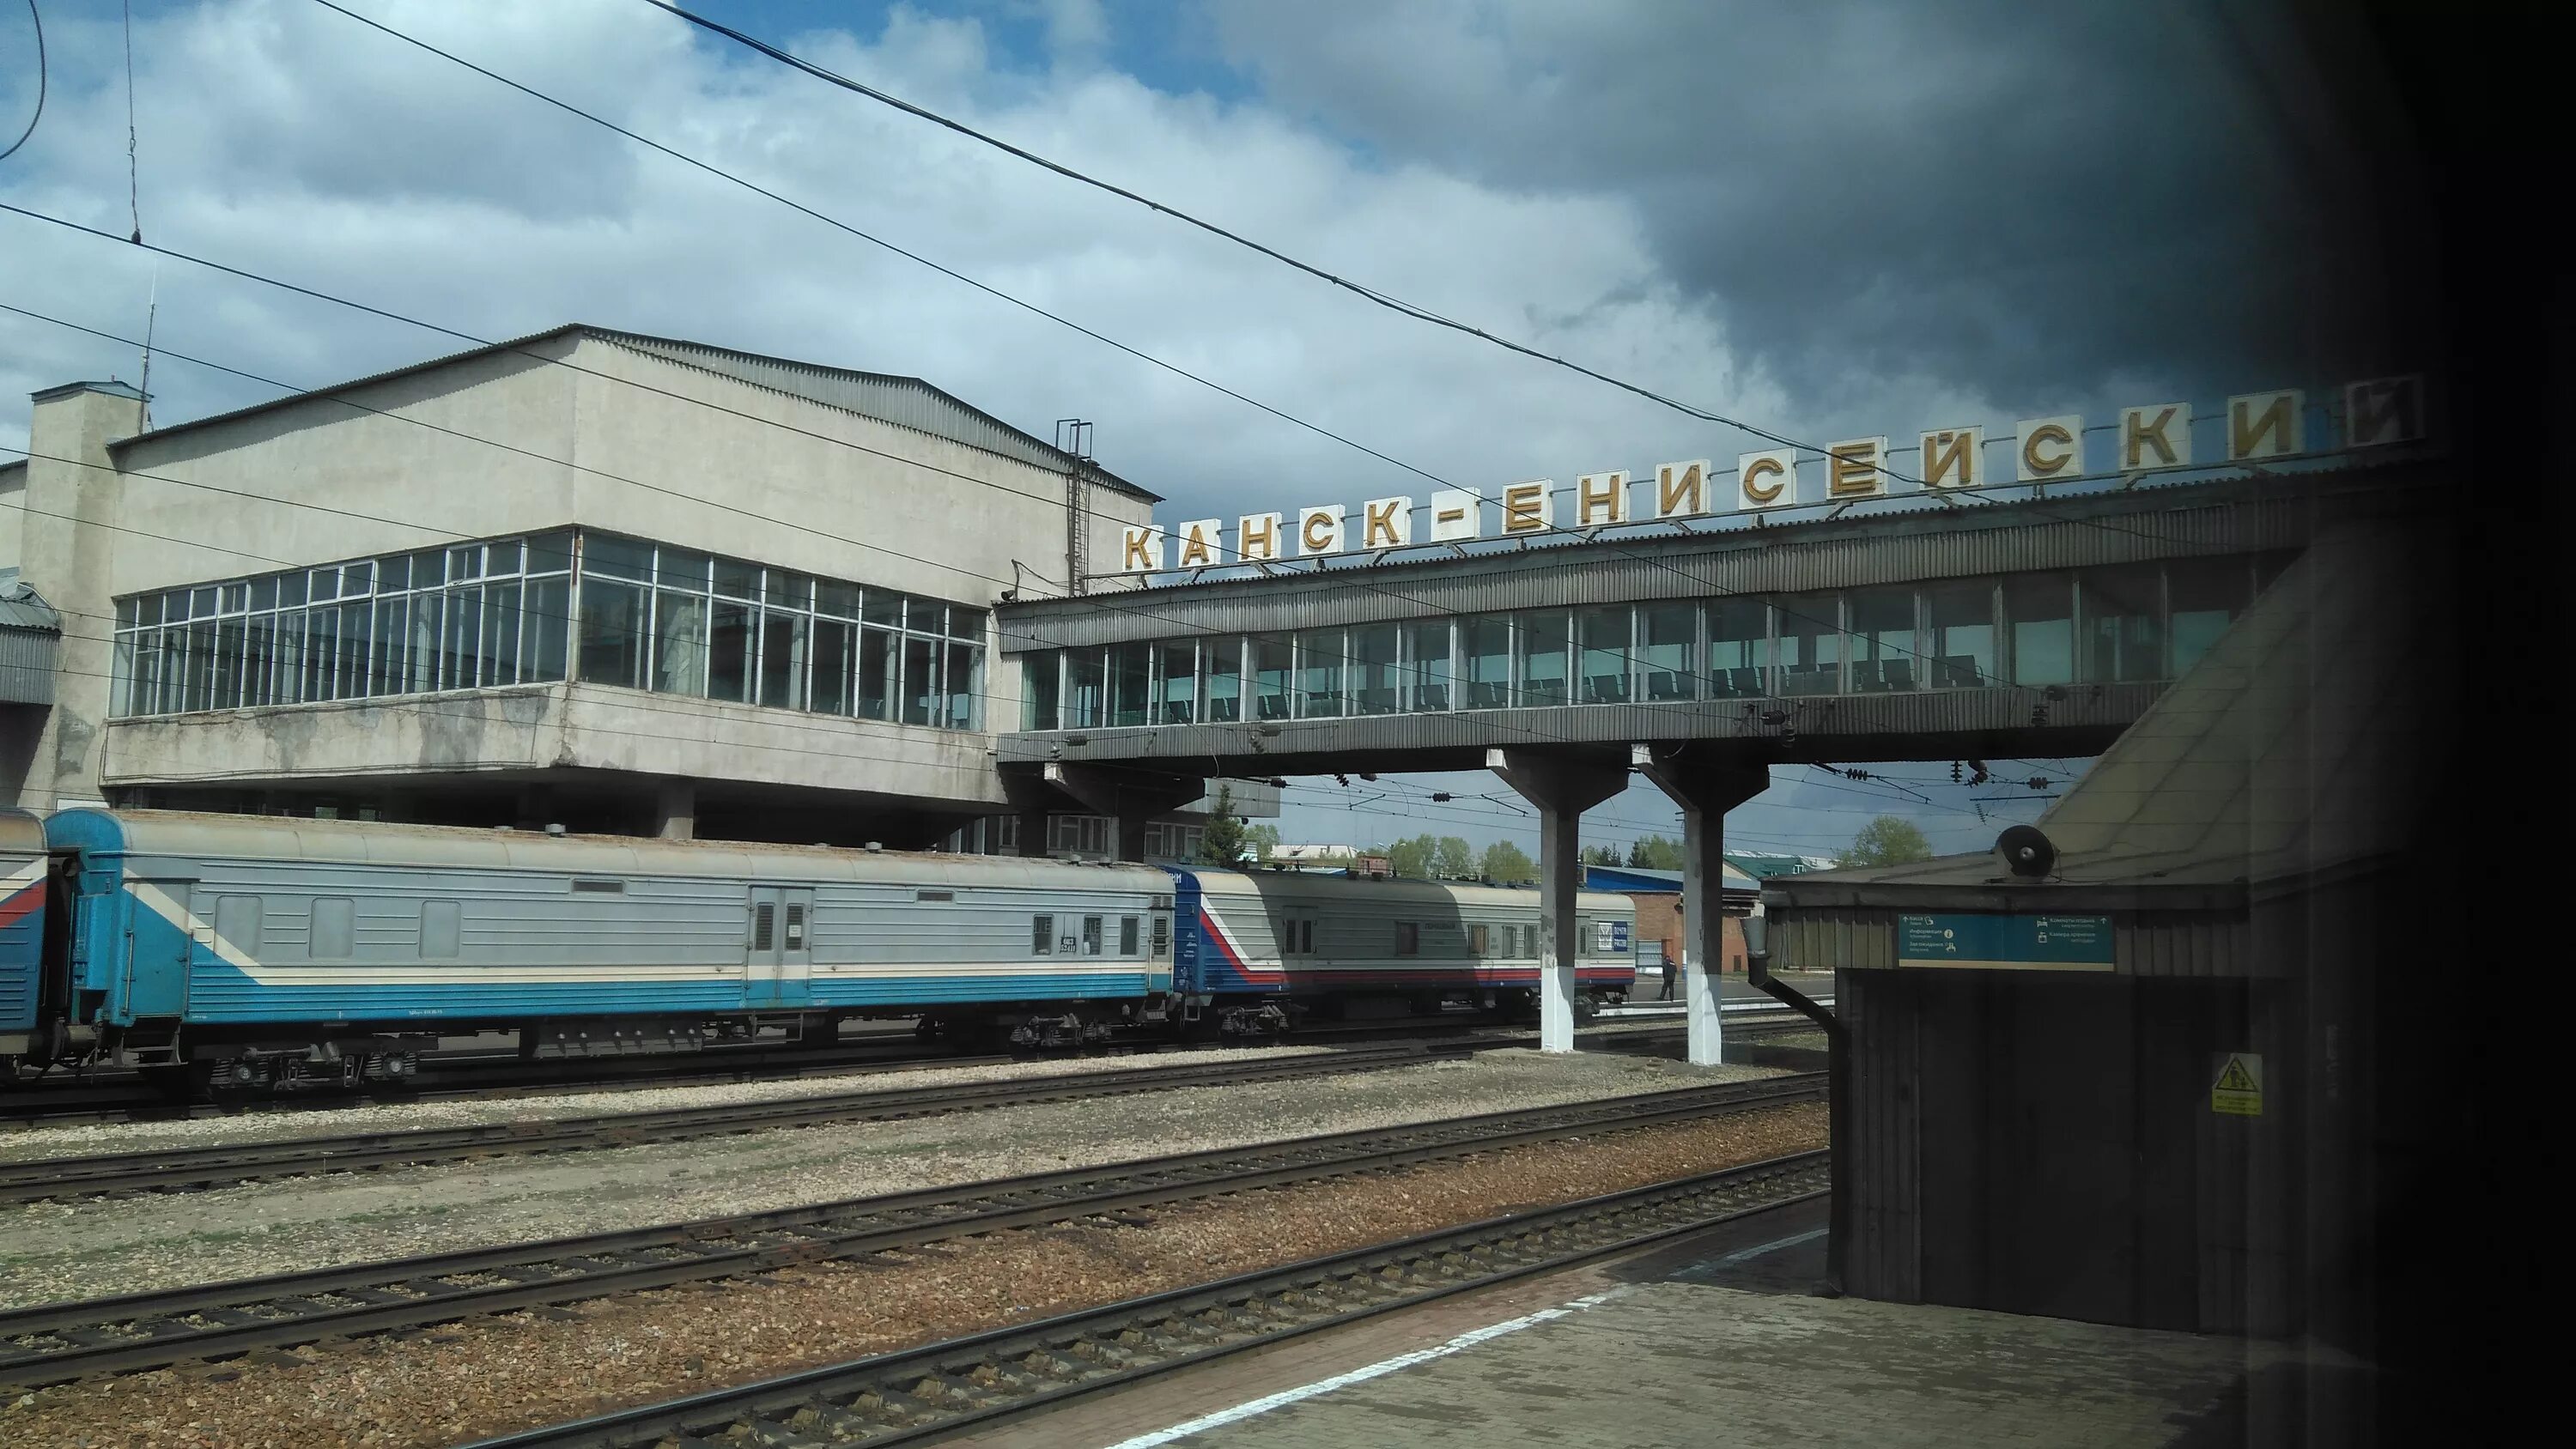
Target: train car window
1130	935
1408	939
1529	940
796	927
601	887
934	895
1306	937
1162	935
1091	935
335	926
1476	940
1041	935
764	926
442	928
237	923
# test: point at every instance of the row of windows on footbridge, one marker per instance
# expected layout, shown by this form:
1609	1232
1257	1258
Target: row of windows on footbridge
2120	622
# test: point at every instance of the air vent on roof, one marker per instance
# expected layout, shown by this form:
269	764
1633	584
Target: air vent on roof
604	887
934	895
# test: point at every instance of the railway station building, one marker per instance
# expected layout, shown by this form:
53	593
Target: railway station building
586	577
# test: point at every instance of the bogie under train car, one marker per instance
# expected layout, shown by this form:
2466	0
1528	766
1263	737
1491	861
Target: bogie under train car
241	950
1260	950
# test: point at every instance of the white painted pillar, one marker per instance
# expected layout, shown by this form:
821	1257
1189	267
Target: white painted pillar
1562	787
1705	789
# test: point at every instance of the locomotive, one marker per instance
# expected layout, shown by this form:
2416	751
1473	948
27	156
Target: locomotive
230	952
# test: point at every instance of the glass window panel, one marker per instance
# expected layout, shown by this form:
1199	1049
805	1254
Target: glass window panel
1961	648
322	584
428	628
833	641
961	675
228	665
2123	608
1426	665
737	580
920	690
875	675
680	643
549	620
263	593
612	633
2039	615
1883	651
1810	644
1489	661
429	568
1177	667
1041	677
965	623
684	569
1085	684
729	652
2204	596
1376	686
466	562
461	664
500	633
881	607
393	574
201	603
174	604
1602	636
144	697
145	609
357	625
502	557
788	590
259	660
610	556
1319	669
839	600
549	553
1542	639
321	654
1667	638
782	659
1223	660
928	616
1272	662
357	578
393	634
1129	682
290	660
236	597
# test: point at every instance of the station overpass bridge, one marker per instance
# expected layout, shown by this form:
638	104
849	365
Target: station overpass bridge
1698	657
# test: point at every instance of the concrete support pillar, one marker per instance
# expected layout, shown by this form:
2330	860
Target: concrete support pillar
675	810
66	539
1562	788
1131	797
1705	789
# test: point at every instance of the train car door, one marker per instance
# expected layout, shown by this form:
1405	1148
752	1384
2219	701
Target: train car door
781	950
158	941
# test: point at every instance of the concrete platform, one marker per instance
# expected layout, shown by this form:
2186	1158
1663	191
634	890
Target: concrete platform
1712	1340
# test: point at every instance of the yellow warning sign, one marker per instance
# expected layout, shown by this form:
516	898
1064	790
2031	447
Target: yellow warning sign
2239	1088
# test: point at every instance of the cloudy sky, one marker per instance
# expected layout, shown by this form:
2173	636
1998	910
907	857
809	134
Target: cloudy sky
1832	219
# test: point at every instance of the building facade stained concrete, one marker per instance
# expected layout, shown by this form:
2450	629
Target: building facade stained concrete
586	577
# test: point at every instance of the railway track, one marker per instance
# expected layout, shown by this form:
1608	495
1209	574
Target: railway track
185	1168
931	1392
58	1342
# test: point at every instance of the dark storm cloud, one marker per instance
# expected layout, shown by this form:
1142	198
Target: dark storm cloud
2035	203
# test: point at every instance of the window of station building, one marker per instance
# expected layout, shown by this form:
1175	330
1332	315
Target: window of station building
2123	613
1884	655
1222	659
1321	653
1130	682
1273	662
1041	686
2039	621
2202	597
1427	666
1810	643
1739	647
1601	641
467	616
1376	678
1488	645
1960	640
1667	646
1176	672
1542	637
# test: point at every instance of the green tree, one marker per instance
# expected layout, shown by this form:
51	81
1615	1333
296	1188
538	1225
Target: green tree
1653	852
1600	855
1223	839
1264	840
1507	864
1455	859
1887	840
1412	858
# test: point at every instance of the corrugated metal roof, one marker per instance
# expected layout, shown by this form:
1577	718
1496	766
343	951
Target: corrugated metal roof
31	634
906	402
21	607
1638	879
2278	756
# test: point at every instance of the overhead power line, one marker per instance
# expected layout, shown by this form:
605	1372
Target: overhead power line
37	21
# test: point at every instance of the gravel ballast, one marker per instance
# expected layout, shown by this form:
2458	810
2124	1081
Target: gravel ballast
95	1248
488	1376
